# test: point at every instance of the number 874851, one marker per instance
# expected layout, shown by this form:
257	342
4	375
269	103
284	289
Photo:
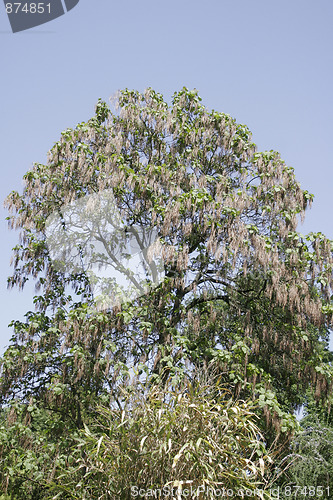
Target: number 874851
32	8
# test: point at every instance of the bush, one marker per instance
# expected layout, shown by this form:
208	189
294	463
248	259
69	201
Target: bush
312	461
171	438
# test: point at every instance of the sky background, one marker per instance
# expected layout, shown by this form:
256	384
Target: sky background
268	64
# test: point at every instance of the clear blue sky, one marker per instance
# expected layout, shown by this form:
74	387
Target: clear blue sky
268	64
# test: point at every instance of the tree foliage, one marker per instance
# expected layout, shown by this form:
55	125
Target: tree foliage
244	294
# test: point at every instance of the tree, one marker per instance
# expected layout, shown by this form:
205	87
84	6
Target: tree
309	466
311	461
243	294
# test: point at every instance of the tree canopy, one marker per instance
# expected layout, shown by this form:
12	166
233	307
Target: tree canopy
243	296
